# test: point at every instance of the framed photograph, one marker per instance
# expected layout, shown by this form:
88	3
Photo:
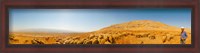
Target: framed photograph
106	26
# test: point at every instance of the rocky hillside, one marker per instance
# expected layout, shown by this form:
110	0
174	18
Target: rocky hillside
142	25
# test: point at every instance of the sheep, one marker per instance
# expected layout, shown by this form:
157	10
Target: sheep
107	42
25	41
100	37
138	36
88	42
111	39
102	41
80	42
58	40
71	42
95	41
91	36
165	39
66	41
76	38
75	41
36	41
152	37
47	38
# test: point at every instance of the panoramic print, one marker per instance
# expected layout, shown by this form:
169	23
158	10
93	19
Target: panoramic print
100	26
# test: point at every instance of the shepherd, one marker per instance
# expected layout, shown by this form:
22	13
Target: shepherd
183	36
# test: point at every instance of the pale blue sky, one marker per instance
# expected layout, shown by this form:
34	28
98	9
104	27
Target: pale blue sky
85	20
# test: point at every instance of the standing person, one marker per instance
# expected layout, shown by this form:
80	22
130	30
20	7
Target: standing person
183	35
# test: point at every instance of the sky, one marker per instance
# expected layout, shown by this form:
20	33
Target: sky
86	20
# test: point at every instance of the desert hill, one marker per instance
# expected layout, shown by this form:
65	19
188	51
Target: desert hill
142	25
133	32
146	32
145	24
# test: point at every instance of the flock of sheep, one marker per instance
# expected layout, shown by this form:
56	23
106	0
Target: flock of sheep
91	39
103	38
100	38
